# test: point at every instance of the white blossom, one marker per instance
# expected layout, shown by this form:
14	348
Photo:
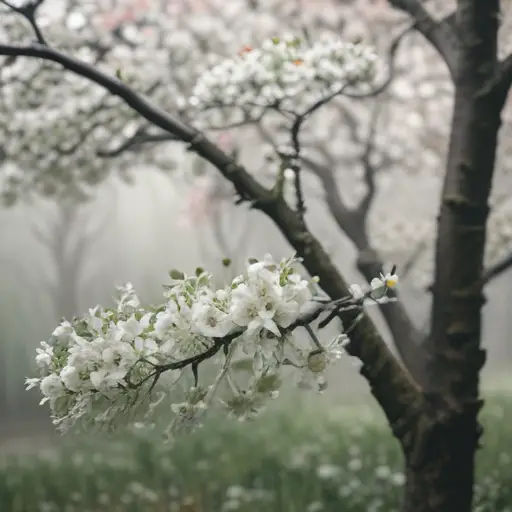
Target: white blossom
51	387
44	355
210	320
71	378
284	73
93	367
379	285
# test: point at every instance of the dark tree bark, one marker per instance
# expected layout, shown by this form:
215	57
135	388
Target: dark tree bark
443	478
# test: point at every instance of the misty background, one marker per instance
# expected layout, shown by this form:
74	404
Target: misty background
58	260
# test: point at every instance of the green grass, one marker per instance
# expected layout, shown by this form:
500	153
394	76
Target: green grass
302	459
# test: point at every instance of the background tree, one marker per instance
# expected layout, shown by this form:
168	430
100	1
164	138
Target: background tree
56	280
69	233
436	422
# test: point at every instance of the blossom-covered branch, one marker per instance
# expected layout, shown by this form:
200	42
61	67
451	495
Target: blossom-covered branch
99	364
390	384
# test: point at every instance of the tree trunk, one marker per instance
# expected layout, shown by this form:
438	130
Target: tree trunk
441	460
440	465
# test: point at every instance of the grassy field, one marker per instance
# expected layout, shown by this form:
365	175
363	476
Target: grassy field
306	458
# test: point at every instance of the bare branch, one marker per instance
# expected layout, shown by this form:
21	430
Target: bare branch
503	80
440	34
87	132
115	86
406	336
497	269
140	137
369	169
28	11
294	133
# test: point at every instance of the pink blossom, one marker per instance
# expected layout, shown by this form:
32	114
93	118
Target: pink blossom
200	205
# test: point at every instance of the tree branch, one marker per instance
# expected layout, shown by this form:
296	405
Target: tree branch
440	34
503	80
497	269
369	169
406	336
295	132
28	11
139	138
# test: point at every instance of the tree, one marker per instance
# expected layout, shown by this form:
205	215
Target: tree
393	140
434	416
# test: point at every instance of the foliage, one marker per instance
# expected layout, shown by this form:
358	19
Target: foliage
298	458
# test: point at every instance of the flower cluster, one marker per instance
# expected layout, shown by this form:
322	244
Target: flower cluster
95	366
284	72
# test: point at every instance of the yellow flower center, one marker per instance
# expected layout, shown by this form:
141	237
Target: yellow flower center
391	282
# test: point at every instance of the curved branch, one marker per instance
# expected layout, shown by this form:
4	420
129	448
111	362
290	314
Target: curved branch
139	138
406	336
28	11
294	133
440	34
497	269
